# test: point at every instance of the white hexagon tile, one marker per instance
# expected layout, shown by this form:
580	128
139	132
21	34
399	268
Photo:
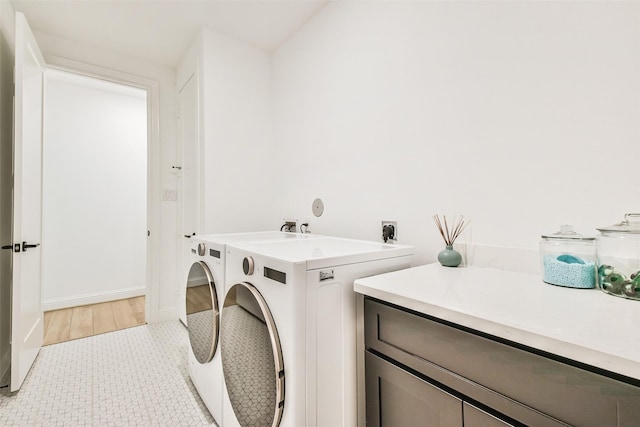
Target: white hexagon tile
132	377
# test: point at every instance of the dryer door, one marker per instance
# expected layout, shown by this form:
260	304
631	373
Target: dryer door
251	358
203	318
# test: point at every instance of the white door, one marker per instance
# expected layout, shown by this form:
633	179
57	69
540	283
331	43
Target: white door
188	182
26	315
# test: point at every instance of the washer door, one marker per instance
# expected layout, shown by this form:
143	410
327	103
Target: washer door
203	318
252	358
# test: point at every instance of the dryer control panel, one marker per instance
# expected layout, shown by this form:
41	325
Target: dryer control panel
276	275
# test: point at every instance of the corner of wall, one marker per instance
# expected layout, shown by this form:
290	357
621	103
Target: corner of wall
235	88
189	62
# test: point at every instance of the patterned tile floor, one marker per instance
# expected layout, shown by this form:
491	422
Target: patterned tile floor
132	377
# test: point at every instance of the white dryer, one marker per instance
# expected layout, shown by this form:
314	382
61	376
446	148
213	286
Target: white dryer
213	246
203	300
288	329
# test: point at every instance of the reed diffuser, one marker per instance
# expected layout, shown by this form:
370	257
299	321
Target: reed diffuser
449	257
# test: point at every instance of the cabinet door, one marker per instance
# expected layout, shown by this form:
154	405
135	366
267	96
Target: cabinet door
474	417
398	398
525	386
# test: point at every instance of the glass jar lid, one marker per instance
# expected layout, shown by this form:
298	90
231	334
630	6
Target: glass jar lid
630	224
567	233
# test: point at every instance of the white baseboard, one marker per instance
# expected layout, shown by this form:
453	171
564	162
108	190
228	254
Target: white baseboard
166	314
95	298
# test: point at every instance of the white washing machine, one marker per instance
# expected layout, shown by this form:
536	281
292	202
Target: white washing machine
203	300
215	259
288	329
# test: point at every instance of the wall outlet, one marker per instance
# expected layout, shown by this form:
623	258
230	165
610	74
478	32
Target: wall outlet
289	225
304	226
294	225
389	231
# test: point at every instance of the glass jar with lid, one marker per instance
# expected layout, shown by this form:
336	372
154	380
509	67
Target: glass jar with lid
618	252
568	259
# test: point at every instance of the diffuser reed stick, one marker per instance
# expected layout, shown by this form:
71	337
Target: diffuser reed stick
450	234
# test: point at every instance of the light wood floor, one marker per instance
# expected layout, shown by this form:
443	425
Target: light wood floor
198	299
87	320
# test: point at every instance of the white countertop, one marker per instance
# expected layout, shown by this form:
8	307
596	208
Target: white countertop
585	325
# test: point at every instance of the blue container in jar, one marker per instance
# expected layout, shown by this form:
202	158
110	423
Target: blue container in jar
568	259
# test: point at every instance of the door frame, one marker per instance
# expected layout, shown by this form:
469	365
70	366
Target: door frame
153	164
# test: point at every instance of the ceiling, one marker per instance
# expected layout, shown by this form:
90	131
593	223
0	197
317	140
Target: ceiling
161	31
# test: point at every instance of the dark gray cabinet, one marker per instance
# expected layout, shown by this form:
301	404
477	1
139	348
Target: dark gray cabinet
490	382
398	398
474	417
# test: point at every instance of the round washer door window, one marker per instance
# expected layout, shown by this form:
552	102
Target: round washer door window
252	358
203	318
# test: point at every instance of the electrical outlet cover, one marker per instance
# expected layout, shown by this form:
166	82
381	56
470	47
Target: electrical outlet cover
394	237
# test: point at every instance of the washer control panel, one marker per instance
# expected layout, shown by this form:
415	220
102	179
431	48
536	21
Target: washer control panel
278	276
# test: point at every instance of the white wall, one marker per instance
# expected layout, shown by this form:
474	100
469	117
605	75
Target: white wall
236	121
167	281
7	59
520	115
95	191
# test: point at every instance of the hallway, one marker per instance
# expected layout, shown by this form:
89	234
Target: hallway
94	319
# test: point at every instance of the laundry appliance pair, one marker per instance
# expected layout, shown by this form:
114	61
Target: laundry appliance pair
286	350
205	291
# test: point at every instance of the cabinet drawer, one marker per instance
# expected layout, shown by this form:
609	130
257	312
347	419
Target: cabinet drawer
475	417
397	398
525	386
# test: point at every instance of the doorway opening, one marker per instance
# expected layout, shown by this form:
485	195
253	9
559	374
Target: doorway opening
95	199
84	321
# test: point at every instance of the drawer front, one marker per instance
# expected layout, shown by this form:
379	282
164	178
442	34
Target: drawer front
539	391
475	417
397	398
